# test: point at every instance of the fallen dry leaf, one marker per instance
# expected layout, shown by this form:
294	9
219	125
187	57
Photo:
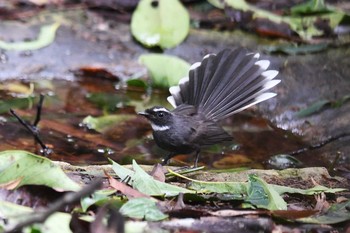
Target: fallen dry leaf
124	189
158	173
12	184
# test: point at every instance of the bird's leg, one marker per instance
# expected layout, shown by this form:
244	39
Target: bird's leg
196	159
166	159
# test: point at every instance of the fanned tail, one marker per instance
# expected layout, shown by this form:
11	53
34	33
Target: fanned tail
226	83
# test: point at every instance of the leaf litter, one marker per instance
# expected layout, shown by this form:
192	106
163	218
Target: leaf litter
140	196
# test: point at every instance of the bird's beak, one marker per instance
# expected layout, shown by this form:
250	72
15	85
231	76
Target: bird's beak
145	114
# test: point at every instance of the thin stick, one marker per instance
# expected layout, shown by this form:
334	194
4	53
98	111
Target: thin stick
69	198
33	130
38	110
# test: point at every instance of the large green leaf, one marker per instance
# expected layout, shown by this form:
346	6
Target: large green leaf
142	208
45	38
165	70
263	195
160	23
145	183
26	168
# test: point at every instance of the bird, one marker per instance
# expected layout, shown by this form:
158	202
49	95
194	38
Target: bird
216	88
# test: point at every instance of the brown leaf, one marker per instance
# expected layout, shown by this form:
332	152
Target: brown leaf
158	173
12	184
293	214
233	213
123	188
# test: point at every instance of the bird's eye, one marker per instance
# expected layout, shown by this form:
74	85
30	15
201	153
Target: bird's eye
160	114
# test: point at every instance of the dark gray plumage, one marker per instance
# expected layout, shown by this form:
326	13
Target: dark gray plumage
218	87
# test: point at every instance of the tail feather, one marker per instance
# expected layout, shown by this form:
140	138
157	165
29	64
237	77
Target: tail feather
226	83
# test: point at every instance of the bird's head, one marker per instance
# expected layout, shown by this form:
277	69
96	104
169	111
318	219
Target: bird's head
160	118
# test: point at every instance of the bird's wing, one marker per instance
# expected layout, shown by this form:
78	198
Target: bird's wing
209	133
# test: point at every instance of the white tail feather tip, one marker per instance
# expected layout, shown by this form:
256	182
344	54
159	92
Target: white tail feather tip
195	65
171	100
184	80
208	55
271	84
270	74
264	64
264	96
174	90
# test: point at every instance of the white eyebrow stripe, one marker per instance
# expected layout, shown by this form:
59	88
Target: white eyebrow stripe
159	128
160	110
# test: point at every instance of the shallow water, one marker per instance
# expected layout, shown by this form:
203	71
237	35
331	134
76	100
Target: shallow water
67	103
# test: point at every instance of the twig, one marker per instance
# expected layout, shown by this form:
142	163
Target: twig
33	129
69	198
38	110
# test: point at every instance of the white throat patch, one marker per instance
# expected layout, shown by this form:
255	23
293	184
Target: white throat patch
159	128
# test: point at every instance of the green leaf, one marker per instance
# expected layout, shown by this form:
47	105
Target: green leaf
31	169
19	103
142	208
143	182
311	191
337	213
46	37
103	123
160	23
263	195
107	101
99	196
304	26
165	70
238	188
315	107
297	49
136	83
310	7
56	223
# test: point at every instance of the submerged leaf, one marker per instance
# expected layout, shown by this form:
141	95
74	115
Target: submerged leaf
297	49
34	170
142	208
160	23
315	107
107	101
165	70
20	103
46	37
103	123
284	161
